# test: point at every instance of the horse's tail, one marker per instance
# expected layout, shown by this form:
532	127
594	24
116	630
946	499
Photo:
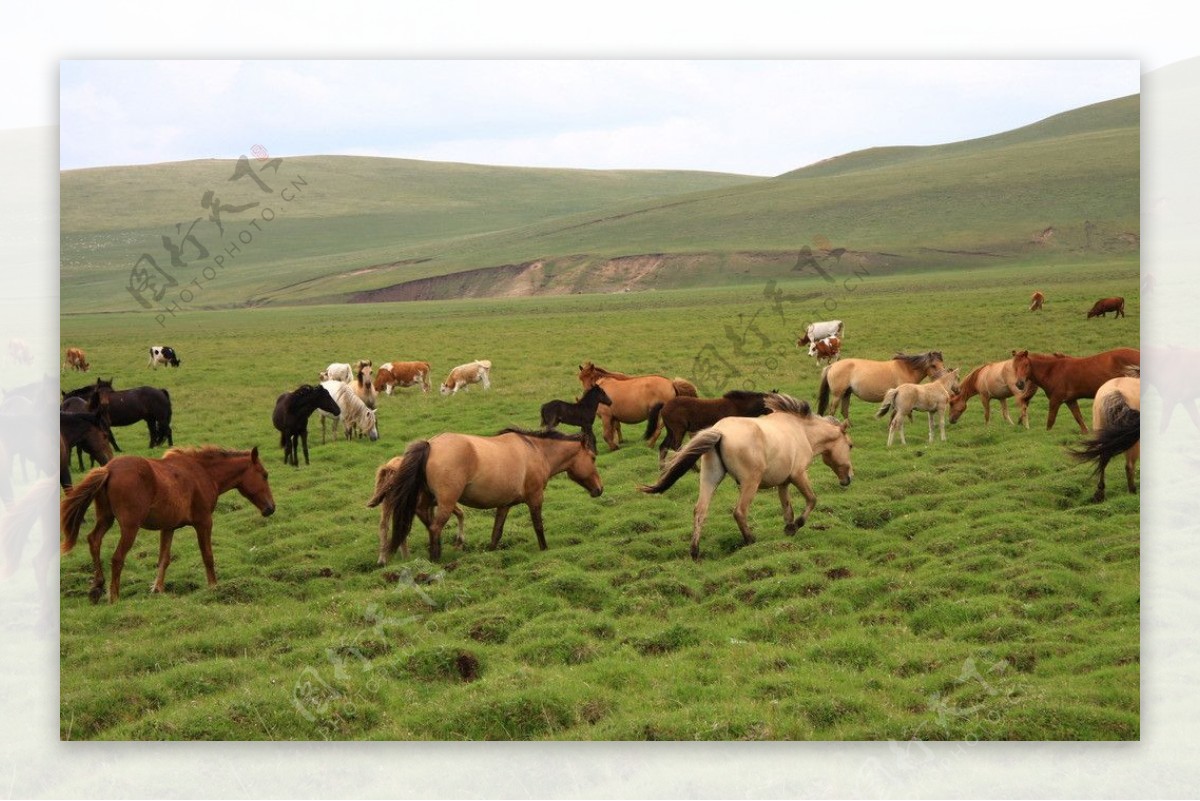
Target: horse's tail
888	405
75	505
702	443
397	489
685	388
652	427
1122	430
823	393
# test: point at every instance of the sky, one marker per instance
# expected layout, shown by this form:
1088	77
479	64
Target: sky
755	117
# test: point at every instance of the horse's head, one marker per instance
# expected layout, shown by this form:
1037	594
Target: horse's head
371	424
598	395
836	450
951	382
958	405
587	375
582	468
325	401
1021	366
934	364
254	487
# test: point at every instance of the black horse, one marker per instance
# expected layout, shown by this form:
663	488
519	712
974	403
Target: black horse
84	431
581	413
127	406
684	415
292	410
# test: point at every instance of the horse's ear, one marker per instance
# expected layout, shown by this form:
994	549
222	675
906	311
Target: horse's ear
254	454
844	425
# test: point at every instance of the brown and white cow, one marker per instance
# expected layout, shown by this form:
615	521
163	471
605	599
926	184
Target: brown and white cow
1105	305
827	350
76	360
402	374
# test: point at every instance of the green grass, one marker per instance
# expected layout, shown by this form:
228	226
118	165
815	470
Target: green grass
965	589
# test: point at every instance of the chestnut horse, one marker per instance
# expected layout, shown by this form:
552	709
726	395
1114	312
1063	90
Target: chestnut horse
933	397
1036	301
1116	421
180	489
632	396
870	380
771	451
1066	379
686	415
435	475
996	381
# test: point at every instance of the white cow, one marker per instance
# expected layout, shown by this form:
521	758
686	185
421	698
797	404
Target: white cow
476	372
338	371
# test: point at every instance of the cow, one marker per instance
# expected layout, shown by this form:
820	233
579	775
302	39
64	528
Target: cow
827	350
815	332
1036	301
76	360
162	354
1105	305
338	371
476	372
402	374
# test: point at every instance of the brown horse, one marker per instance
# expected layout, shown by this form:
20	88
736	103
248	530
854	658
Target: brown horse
1066	379
86	432
870	380
180	489
1117	423
1036	301
1105	305
632	396
435	475
771	451
686	415
996	381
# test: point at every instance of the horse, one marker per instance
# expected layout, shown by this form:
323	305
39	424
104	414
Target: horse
996	381
499	472
1066	379
581	413
180	489
128	406
352	412
1116	423
1036	300
869	380
84	431
77	404
476	372
632	396
337	371
686	415
1105	305
933	397
77	360
402	374
363	386
771	451
292	410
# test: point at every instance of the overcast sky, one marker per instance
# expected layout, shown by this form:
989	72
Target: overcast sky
752	117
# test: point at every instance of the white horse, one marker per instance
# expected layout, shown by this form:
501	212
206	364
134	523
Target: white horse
933	397
476	372
337	371
354	413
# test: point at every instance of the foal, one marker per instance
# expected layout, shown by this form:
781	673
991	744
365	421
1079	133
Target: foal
931	397
582	413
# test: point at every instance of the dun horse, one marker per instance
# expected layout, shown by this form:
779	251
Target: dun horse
632	396
996	381
685	415
292	410
771	451
435	475
180	489
582	413
1116	423
1066	379
933	398
870	380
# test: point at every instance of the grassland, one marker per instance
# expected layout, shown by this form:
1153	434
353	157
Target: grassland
966	589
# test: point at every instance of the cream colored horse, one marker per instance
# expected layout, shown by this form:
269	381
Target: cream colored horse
870	380
1116	429
771	451
933	397
996	381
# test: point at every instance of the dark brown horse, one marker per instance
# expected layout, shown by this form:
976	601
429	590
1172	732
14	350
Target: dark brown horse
180	489
1106	305
581	413
127	406
292	410
86	432
1066	379
684	415
632	396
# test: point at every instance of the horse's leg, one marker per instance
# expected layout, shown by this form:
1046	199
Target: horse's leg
802	483
304	444
789	514
617	430
746	495
931	414
460	539
941	421
1130	460
607	421
987	407
204	537
1054	404
846	404
1004	411
104	520
1074	407
897	422
535	514
1102	466
164	558
711	473
498	526
440	516
129	532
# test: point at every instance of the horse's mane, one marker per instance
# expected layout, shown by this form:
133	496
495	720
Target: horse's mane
603	373
742	394
919	361
778	402
1134	371
539	434
204	452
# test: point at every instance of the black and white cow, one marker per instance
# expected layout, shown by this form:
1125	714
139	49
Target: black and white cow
162	354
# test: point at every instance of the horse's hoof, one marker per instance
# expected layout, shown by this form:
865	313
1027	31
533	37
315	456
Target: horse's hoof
695	554
790	529
95	593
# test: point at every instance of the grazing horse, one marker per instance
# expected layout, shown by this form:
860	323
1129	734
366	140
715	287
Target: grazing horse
292	410
337	371
363	386
127	406
76	360
581	413
933	397
435	475
1106	305
1066	379
686	415
870	380
402	374
180	489
84	431
1117	427
352	412
1036	301
476	372
996	381
632	396
771	451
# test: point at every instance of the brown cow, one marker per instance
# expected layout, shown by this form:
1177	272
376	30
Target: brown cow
1035	302
402	374
77	360
1105	305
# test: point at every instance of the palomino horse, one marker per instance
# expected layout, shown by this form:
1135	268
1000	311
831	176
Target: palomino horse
870	380
996	381
632	396
684	415
770	451
1036	300
292	410
1066	379
933	397
180	489
435	475
1117	426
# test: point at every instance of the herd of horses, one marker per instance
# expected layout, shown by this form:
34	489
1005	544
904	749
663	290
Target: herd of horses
762	439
